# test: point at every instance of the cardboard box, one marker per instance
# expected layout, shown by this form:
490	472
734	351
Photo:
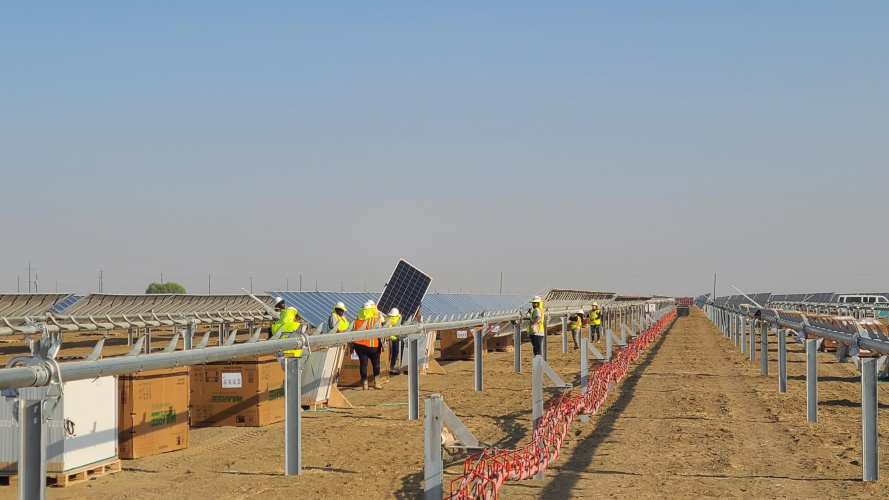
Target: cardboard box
248	392
82	431
458	344
153	414
350	374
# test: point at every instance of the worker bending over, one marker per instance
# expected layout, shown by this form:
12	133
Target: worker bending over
337	321
288	323
395	343
575	323
595	323
538	325
368	350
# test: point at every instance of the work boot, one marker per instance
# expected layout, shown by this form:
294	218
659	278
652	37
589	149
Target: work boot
378	385
364	384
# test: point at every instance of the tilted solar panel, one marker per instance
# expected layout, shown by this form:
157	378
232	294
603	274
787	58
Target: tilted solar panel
405	290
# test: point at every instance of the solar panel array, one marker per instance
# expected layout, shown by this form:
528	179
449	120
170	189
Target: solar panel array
405	290
316	307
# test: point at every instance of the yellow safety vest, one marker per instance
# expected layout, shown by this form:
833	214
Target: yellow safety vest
288	323
542	323
342	323
575	322
596	317
393	322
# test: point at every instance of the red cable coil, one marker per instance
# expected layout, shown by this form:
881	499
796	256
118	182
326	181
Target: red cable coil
485	472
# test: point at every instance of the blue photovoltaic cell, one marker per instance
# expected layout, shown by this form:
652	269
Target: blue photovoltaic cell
65	303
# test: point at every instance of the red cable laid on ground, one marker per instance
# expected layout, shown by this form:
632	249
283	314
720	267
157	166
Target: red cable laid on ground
484	473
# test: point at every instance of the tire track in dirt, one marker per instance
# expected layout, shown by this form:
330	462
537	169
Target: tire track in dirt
688	423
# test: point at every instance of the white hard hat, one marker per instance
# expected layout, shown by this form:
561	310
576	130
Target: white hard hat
339	305
596	304
394	312
291	308
580	311
278	300
536	299
368	304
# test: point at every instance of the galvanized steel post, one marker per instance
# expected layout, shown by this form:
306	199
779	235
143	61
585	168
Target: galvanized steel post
148	341
584	372
782	361
608	347
764	349
752	349
130	336
564	334
811	380
479	337
544	348
743	340
433	469
292	417
32	450
869	431
517	345
413	379
537	396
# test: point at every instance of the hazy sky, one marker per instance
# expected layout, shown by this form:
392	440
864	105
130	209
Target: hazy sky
635	147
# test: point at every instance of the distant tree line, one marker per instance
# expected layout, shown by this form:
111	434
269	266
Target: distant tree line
168	287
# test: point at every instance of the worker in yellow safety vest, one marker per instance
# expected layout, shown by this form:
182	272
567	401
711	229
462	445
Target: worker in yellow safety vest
538	325
288	322
575	324
595	323
337	322
393	319
368	350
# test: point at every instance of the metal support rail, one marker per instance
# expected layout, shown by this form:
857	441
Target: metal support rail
57	324
724	317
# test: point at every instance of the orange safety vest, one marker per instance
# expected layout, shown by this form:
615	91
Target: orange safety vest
367	319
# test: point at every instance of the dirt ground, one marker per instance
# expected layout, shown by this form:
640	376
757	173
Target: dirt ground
693	419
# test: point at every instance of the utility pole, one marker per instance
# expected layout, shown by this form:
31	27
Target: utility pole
18	284
208	285
162	278
101	281
35	282
365	288
300	282
714	286
29	277
288	284
251	285
501	283
316	285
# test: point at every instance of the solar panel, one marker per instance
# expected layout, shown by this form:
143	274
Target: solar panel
405	290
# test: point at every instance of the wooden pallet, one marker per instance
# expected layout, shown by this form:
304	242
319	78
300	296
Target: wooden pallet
72	477
85	474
